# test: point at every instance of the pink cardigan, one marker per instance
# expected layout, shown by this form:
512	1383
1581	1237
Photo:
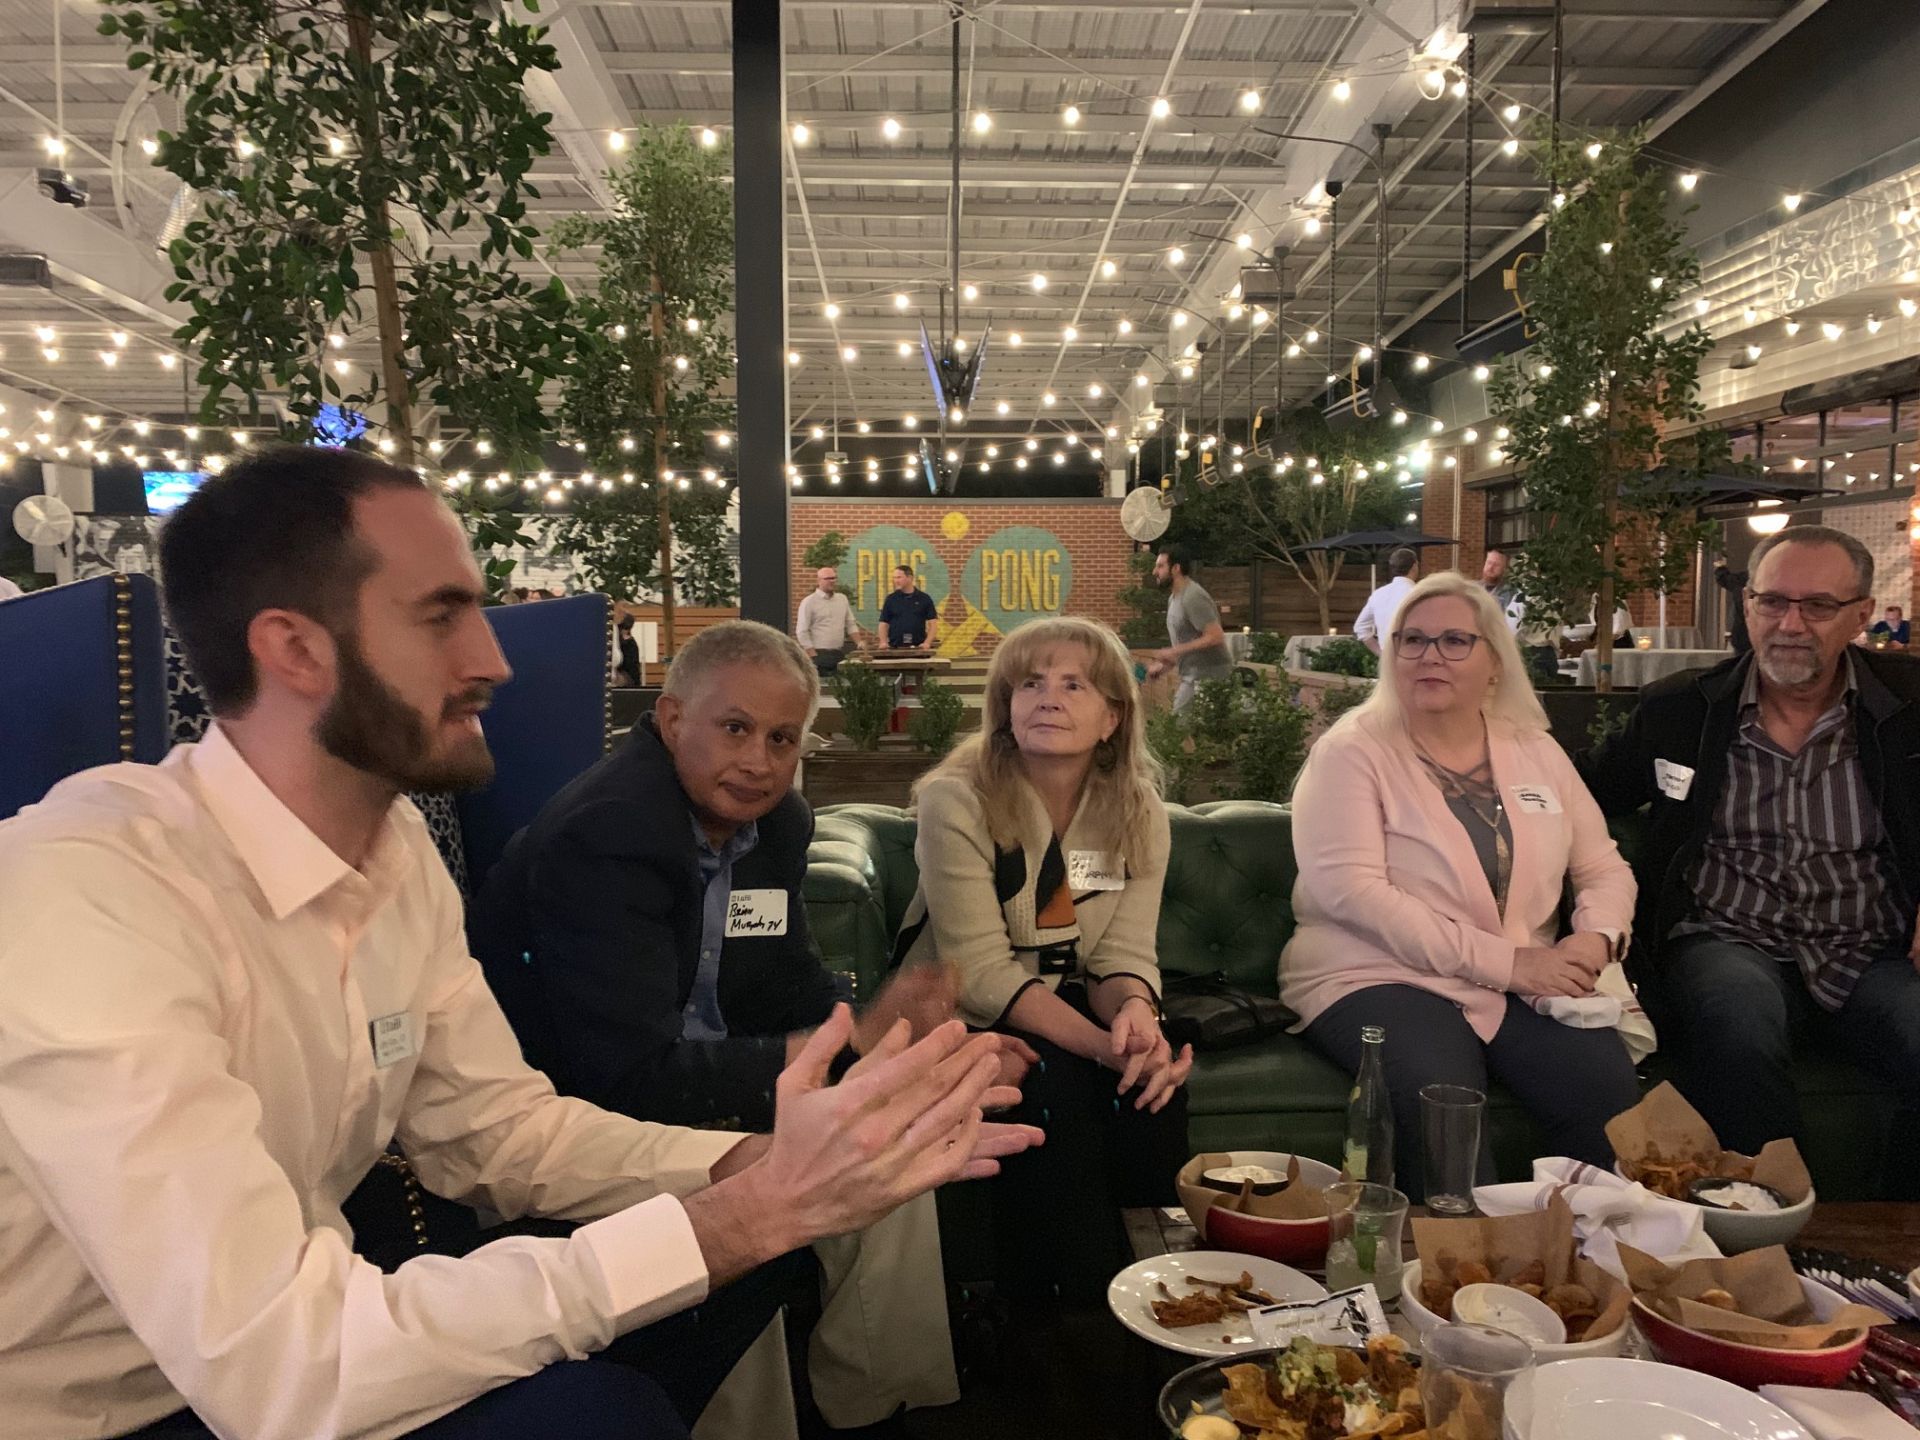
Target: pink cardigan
1390	889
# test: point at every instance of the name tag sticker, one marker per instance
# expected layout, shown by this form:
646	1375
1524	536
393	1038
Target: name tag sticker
1675	781
1536	799
1095	870
392	1038
756	912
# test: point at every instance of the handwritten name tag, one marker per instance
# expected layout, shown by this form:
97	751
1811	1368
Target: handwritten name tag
1675	781
392	1037
1536	799
1095	870
756	912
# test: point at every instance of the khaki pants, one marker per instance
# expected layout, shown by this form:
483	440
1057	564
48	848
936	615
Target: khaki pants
882	1341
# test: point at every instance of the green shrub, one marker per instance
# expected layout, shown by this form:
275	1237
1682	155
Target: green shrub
1335	703
1344	655
1271	744
866	704
826	553
1259	732
1146	626
1267	648
937	721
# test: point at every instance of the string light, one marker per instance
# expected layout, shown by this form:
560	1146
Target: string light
793	357
801	134
1510	146
1243	241
54	146
1125	327
1014	338
1791	202
1753	352
890	128
1142	380
982	122
709	137
1038	282
1176	256
1832	331
971	292
1002	408
1162	107
1032	444
1071	115
1593	150
1512	114
1048	399
1312	337
1343	90
1421	362
849	353
152	146
905	349
1690	179
616	140
1179	319
1873	324
1792	327
1071	333
1908	306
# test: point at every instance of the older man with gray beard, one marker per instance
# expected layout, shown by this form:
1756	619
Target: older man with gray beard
1777	900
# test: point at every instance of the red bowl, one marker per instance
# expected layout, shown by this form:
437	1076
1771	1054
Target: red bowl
1291	1242
1753	1365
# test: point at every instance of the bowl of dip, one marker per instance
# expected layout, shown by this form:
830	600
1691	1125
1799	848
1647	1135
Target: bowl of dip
1741	1215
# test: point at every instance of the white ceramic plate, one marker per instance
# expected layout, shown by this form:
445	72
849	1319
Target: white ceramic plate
1134	1288
1638	1400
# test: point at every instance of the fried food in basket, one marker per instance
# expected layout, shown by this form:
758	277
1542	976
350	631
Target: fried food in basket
1576	1305
1718	1298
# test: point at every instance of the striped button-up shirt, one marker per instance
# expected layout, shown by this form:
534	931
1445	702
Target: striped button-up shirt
1797	863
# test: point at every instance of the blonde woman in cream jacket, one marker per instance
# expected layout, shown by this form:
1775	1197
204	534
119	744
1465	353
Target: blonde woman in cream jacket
1042	845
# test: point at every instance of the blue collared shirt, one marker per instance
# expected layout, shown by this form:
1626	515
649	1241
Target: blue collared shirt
702	1020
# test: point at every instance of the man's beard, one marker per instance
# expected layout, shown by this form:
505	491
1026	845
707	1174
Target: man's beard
372	729
1789	664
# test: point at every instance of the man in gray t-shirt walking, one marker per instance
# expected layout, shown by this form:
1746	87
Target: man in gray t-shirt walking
1199	644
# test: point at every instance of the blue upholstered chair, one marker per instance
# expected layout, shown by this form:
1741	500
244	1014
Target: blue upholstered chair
81	683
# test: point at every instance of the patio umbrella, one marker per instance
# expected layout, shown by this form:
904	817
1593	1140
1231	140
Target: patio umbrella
1376	543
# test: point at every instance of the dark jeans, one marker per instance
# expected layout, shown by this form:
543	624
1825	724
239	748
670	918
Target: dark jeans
827	661
1733	1017
1571	1081
650	1384
1056	1208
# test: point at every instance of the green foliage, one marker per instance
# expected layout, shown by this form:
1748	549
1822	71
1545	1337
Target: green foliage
826	553
493	526
866	703
1267	648
1343	655
1146	627
1606	723
1278	508
1592	406
665	257
341	147
935	724
1254	738
1335	703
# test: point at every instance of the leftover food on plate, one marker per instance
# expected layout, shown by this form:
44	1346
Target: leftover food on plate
1211	1302
1310	1391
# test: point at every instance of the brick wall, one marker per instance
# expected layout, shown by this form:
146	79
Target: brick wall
990	564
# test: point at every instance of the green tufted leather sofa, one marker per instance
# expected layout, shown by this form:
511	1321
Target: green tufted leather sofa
1228	906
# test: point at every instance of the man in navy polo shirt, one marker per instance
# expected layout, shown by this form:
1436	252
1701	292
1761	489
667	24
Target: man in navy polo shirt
909	620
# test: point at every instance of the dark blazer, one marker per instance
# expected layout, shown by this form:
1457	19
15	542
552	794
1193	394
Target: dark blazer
589	932
1691	719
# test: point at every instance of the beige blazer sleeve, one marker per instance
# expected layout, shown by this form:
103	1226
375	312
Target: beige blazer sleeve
955	855
1129	945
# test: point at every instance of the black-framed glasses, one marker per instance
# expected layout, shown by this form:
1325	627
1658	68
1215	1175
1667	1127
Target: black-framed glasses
1452	644
1817	608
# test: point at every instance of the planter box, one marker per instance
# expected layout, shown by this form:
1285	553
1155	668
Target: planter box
841	775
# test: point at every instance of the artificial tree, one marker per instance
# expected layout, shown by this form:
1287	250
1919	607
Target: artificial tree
356	151
1319	483
645	392
1593	407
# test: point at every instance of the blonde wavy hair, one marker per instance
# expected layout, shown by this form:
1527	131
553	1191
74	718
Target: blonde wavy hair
1123	786
1510	699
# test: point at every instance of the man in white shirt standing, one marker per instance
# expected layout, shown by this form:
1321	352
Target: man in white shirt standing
1376	616
229	980
825	624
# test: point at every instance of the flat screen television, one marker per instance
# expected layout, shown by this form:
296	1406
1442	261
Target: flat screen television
167	490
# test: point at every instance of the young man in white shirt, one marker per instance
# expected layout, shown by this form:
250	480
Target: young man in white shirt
1376	616
229	980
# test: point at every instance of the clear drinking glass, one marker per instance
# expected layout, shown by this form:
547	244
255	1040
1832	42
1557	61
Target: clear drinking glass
1451	1117
1464	1378
1365	1246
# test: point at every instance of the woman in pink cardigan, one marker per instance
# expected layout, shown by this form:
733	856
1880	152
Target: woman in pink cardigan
1436	826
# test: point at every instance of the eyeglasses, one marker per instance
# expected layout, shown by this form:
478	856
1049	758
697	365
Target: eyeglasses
1453	644
1816	608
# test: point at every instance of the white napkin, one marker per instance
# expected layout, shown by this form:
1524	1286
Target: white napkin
1612	1006
1838	1414
1606	1210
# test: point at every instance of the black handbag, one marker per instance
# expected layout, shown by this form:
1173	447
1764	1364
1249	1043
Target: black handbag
1211	1012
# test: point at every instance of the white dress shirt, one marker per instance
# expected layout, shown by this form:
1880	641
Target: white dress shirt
9	590
189	1089
1376	616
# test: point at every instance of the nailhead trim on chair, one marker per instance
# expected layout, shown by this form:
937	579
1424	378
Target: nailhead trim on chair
606	690
123	660
410	1187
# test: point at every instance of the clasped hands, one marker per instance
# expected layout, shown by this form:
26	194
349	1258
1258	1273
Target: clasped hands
1569	968
1139	1050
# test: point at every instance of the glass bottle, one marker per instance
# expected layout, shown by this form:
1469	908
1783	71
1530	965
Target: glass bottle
1369	1147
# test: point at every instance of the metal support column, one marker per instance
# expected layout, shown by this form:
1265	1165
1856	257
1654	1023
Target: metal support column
760	308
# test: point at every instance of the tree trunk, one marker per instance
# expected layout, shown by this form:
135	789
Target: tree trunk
657	310
389	324
1603	602
1323	576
